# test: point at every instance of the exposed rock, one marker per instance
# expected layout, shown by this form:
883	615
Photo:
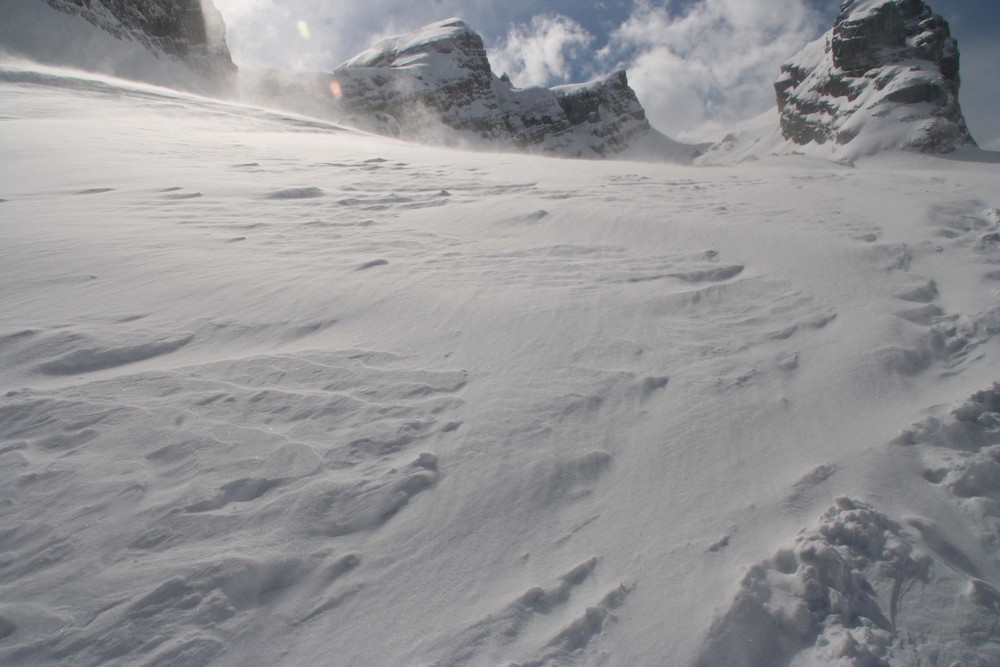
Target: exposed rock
436	85
885	76
607	109
191	31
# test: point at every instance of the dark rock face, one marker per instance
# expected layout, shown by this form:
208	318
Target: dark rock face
189	30
609	108
884	62
436	85
432	76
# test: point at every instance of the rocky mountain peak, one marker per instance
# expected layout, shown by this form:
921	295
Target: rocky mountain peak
886	75
436	84
452	37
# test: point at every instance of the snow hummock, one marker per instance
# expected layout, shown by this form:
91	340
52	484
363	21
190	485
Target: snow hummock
280	392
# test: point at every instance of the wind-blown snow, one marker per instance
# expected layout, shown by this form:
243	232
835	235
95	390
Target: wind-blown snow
277	392
35	30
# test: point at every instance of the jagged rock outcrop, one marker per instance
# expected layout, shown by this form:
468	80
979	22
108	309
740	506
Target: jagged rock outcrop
188	34
607	109
436	84
885	76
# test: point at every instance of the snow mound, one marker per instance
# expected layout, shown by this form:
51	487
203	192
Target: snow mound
854	591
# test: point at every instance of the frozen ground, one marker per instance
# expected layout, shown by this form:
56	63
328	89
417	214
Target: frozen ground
275	392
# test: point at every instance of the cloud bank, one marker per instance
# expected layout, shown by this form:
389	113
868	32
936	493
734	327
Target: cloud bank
708	63
542	52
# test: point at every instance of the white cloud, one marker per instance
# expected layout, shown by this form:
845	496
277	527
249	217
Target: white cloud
713	63
265	33
540	53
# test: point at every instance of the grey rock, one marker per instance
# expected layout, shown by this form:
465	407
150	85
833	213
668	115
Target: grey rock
436	85
191	31
883	62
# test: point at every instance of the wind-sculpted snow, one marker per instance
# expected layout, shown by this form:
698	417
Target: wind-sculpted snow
852	591
274	391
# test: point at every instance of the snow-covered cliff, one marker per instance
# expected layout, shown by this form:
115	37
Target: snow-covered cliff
179	43
436	84
885	76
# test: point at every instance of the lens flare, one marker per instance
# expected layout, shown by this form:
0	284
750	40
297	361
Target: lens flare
304	30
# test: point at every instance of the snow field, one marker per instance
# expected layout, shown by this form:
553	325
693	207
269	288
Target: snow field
275	391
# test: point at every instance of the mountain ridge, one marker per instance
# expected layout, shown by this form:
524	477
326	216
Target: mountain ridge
437	83
884	77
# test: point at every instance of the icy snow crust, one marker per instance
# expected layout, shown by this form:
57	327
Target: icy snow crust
278	392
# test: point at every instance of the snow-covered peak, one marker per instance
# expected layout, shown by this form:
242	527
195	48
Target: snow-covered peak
885	76
441	37
177	43
436	85
858	9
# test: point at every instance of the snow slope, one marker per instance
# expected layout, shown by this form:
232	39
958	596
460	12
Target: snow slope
277	392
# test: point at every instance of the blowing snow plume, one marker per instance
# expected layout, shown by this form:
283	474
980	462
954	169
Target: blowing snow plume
177	43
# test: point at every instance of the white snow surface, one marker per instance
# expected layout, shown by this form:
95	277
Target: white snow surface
279	392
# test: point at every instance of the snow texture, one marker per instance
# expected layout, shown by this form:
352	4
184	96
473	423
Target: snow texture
277	391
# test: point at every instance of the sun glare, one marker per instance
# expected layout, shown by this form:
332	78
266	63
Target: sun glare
304	30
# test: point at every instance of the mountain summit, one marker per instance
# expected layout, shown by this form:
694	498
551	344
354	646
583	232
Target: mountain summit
437	84
885	76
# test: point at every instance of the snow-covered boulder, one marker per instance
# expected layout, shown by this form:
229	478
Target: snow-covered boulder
436	84
885	76
180	43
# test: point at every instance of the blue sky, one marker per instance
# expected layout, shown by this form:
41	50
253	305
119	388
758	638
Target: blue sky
695	64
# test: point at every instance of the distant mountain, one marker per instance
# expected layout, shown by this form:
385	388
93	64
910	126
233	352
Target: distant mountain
437	84
885	76
171	42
